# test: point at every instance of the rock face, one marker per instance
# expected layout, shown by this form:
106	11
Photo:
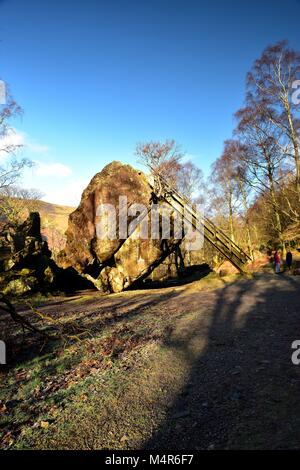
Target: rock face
84	251
26	264
114	264
135	260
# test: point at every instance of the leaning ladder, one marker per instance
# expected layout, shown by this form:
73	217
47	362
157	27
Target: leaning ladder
229	249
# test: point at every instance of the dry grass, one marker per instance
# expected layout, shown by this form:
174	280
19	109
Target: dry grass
121	382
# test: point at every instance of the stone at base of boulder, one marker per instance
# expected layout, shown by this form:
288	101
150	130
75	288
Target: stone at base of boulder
20	286
109	280
114	279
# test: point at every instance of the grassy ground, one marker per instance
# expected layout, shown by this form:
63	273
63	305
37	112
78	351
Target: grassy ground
181	367
65	375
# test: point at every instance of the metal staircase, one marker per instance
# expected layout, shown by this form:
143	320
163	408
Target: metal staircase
212	233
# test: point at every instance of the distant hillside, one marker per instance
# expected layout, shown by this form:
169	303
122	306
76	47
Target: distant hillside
55	214
54	219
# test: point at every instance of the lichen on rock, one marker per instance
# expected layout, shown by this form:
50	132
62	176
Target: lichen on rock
26	265
114	264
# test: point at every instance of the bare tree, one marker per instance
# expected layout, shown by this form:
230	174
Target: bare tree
162	159
225	188
165	159
270	85
235	152
16	203
11	166
263	156
190	180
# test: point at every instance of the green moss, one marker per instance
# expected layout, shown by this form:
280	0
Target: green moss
20	286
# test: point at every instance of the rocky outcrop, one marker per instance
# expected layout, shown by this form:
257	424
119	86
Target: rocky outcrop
114	264
26	265
84	251
134	261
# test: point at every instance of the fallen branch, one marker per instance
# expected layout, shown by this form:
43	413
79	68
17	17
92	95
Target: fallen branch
60	326
7	306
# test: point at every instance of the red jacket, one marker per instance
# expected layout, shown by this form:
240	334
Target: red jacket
277	258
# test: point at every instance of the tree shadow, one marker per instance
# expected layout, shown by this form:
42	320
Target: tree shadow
242	389
189	275
23	347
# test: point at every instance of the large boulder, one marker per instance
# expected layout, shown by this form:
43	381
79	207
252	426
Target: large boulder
135	260
83	250
115	264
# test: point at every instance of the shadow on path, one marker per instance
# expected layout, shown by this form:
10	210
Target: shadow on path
242	390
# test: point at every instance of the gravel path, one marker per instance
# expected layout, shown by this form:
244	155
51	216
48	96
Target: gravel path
243	389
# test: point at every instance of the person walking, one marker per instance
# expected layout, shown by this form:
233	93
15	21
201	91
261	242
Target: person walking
289	259
277	261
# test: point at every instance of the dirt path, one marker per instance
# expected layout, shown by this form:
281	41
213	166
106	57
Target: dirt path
206	369
242	390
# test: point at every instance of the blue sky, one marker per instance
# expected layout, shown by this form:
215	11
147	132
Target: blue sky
96	77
